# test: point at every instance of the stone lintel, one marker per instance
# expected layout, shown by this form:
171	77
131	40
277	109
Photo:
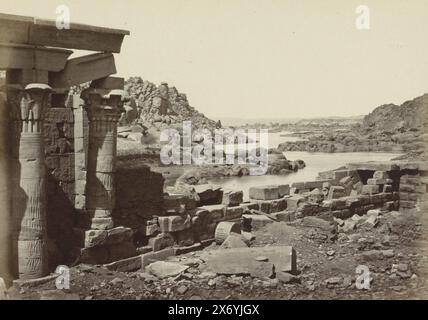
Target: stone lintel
18	56
84	69
42	32
24	77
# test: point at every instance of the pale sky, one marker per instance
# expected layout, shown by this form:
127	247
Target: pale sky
265	58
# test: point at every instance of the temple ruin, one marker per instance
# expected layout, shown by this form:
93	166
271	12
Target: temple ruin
67	198
45	127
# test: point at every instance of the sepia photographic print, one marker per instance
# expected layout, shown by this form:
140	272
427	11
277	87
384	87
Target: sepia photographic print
213	150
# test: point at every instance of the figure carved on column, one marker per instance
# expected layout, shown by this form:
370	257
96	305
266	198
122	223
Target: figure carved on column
28	200
104	109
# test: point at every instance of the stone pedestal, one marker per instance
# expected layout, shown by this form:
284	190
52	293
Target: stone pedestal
29	193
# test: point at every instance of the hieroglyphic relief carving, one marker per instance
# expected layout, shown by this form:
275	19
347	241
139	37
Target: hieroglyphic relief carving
29	189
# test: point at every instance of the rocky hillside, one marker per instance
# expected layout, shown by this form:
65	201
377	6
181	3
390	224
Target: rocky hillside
410	116
160	106
401	129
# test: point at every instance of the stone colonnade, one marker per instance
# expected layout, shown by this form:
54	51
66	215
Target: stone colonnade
23	173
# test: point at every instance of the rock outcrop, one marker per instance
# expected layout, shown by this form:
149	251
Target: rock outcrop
412	115
160	106
387	128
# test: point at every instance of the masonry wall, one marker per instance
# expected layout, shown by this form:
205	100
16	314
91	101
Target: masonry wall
139	194
59	153
413	190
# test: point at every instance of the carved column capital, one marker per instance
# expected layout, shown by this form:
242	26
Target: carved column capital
103	105
28	104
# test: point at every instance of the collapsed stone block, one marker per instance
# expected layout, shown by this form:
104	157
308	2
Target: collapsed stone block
216	212
270	206
307	186
247	206
316	196
363	209
94	238
244	261
150	228
374	181
345	180
352	202
342	214
177	203
336	192
380	198
364	199
232	213
294	201
339	174
264	193
370	189
209	194
284	190
308	209
253	222
232	198
161	241
334	204
174	223
298	186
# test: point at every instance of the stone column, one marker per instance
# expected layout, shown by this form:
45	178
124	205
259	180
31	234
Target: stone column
104	108
5	193
29	194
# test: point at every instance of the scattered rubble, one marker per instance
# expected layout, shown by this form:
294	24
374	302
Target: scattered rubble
290	242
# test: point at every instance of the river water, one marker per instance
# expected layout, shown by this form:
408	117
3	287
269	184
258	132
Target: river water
315	162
